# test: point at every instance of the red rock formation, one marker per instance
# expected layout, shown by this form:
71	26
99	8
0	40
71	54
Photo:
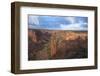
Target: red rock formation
32	35
53	44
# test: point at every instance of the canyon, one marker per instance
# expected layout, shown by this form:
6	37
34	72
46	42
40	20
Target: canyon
57	44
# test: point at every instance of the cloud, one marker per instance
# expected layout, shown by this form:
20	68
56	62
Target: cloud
33	27
76	26
34	20
70	19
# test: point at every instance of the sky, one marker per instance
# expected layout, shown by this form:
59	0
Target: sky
57	22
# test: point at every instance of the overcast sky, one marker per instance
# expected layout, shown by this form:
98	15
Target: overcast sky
58	22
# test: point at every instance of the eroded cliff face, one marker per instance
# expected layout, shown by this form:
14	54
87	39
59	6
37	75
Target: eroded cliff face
32	35
74	36
48	44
